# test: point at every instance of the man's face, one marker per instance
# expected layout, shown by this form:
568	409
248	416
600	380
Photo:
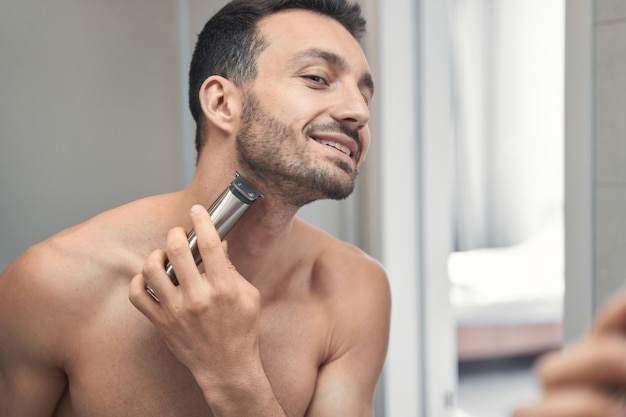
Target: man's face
304	124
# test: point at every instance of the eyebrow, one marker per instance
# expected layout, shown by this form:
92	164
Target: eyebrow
366	80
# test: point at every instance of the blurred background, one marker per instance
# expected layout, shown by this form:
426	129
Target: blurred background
493	191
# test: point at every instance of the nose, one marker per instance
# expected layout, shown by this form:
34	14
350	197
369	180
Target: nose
352	108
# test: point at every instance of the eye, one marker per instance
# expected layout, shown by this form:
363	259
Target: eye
316	79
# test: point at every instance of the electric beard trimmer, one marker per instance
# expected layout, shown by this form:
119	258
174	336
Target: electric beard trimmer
225	211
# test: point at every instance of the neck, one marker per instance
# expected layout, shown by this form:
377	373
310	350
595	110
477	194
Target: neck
263	233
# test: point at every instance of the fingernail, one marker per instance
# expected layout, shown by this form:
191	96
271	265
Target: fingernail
196	208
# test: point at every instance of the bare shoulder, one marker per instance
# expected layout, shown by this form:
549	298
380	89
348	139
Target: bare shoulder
55	285
340	264
352	284
48	290
49	298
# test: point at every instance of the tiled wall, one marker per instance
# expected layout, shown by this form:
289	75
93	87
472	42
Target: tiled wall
610	145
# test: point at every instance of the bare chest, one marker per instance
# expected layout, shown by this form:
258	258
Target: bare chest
121	367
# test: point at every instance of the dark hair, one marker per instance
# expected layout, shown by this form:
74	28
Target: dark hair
229	44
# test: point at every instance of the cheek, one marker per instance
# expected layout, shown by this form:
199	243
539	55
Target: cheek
276	99
294	104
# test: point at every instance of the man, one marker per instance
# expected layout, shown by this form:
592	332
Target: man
283	319
587	379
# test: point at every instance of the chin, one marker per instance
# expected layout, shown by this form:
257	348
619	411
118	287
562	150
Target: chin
337	189
320	187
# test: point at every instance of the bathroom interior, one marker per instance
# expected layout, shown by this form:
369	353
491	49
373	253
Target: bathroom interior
510	140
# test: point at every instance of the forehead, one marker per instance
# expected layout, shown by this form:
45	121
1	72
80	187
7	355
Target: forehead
290	33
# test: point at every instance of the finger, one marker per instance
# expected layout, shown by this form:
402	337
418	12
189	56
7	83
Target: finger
599	361
573	402
209	243
612	316
140	298
181	258
154	275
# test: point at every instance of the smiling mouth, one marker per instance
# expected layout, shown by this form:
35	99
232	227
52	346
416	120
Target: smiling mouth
336	145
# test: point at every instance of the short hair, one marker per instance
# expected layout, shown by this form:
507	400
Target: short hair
229	44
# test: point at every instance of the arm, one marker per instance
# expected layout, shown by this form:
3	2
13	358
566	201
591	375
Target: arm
31	382
346	383
589	378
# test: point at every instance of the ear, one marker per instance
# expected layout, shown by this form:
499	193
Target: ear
220	100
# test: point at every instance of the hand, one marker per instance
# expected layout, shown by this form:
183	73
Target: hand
589	378
210	321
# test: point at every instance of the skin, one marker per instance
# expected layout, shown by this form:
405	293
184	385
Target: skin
583	380
282	319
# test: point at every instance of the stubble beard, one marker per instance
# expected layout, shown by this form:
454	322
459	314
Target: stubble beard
294	176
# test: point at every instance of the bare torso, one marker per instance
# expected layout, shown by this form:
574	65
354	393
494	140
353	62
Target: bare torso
119	366
112	360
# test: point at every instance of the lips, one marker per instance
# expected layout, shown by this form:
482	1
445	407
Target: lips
336	145
342	141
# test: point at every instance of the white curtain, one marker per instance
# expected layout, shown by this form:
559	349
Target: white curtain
508	94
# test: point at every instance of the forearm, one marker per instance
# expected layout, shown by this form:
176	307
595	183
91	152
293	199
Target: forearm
242	393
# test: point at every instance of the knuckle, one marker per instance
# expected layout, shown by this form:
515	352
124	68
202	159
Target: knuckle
196	306
177	244
209	242
134	295
223	293
153	265
254	295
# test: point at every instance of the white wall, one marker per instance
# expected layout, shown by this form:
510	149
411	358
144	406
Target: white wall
89	112
609	145
579	187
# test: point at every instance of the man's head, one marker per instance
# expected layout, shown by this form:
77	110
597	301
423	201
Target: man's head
230	44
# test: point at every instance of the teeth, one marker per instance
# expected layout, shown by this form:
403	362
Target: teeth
336	145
